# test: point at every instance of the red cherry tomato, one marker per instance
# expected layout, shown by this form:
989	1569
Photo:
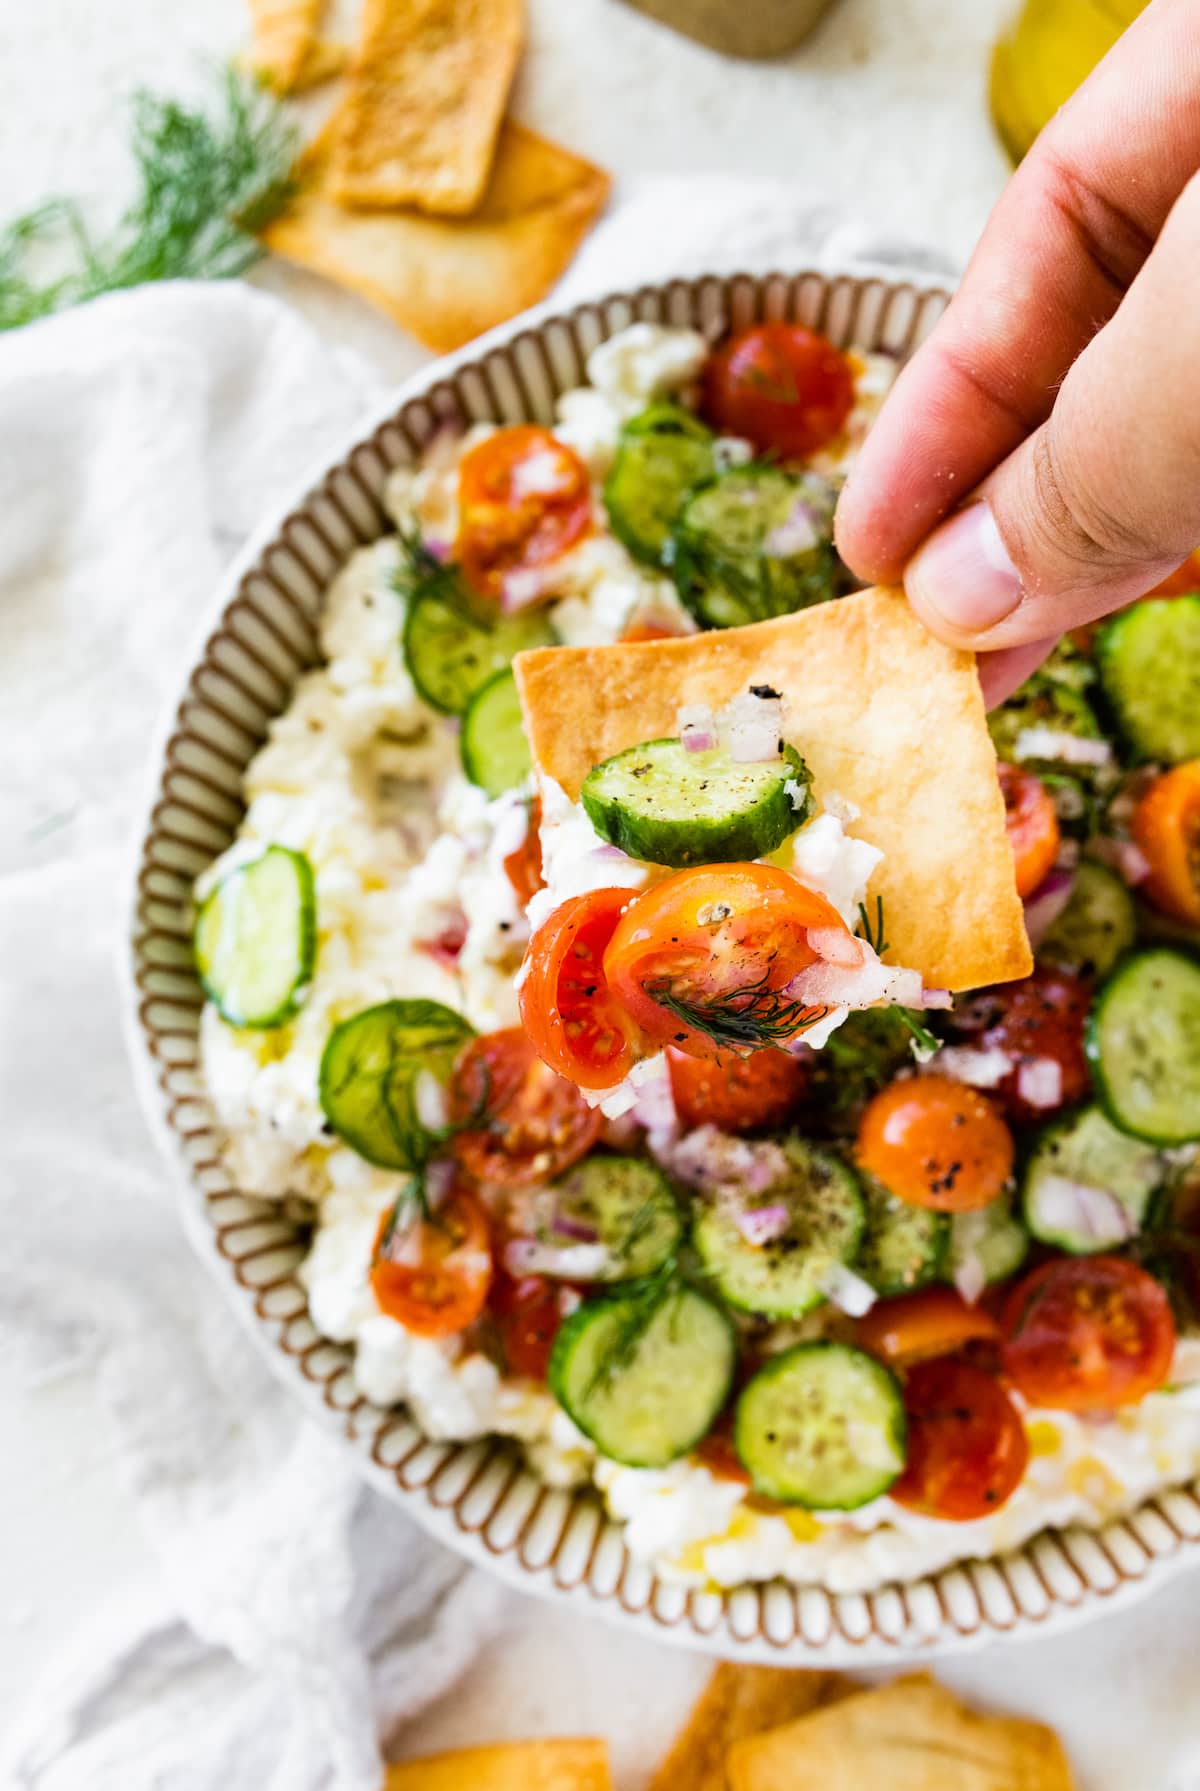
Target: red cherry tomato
784	387
702	960
1087	1334
916	1327
523	499
528	1314
433	1275
1041	1017
935	1143
738	1094
534	1123
967	1447
575	1021
1032	823
718	1454
523	865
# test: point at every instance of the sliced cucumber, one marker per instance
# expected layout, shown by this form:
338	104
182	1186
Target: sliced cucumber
256	939
991	1239
628	1204
666	805
1143	1043
1087	1152
450	652
1075	803
786	1277
664	452
1042	704
369	1083
1097	926
902	1246
495	752
742	550
1149	658
822	1425
644	1374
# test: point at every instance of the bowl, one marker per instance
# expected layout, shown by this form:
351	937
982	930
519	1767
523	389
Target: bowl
480	1498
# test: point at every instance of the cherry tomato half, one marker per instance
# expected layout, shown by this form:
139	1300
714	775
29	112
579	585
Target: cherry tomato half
433	1274
523	499
1166	826
637	632
935	1143
534	1123
1087	1333
967	1448
523	865
738	1094
528	1313
576	1022
915	1327
720	943
1032	823
1037	1019
784	387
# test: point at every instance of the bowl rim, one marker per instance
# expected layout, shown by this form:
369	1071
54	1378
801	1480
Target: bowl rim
1068	1577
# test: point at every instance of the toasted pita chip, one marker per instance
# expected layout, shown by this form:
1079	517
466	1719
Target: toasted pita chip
447	280
284	34
886	716
737	1701
324	59
912	1735
427	94
509	1766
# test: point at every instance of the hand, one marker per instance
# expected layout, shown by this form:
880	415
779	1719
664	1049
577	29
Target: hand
1048	433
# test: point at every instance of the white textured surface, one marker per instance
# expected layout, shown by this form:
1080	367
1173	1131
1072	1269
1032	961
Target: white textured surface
882	114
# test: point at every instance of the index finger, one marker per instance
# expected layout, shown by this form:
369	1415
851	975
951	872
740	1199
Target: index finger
1065	240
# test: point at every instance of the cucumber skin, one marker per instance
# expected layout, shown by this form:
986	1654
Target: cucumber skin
931	1268
649	424
744	584
1093	1044
414	1012
662	1194
772	1370
1011	1222
475	753
535	633
657	840
1121	922
306	954
1059	1240
1143	733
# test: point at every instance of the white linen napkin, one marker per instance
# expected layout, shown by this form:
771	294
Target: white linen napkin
303	1618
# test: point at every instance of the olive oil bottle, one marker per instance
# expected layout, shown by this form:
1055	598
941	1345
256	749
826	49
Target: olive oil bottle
1046	53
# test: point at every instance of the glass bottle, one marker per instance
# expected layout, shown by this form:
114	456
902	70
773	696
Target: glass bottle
1047	52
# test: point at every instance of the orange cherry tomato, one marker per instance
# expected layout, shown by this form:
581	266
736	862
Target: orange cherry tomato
528	1313
935	1143
534	1124
1166	826
1183	581
576	1022
648	631
915	1327
702	960
784	387
1032	822
523	499
1041	1016
523	865
1087	1334
432	1274
967	1448
738	1094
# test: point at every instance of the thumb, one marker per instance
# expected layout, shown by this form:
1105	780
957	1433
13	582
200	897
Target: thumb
1103	500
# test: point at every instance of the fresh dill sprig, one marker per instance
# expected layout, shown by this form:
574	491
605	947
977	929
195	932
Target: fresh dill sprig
208	180
643	1301
753	1016
922	1037
872	933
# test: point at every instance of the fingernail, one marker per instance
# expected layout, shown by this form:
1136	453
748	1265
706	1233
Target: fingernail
964	573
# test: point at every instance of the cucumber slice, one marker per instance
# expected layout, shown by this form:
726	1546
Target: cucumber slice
1143	1043
666	805
1149	658
1097	926
1087	1151
663	453
822	1425
730	551
255	940
368	1083
450	652
990	1237
785	1278
644	1374
495	752
903	1246
628	1203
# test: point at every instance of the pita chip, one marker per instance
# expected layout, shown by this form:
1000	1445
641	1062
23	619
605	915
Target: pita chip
737	1701
284	34
509	1766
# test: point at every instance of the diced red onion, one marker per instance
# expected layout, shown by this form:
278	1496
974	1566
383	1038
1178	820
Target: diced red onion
697	727
834	945
438	550
1066	1205
977	1066
1040	1082
936	998
753	742
440	1177
763	1224
797	533
567	1262
1064	748
826	985
524	586
1047	902
564	1226
970	1276
847	1291
608	852
429	1099
1122	856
